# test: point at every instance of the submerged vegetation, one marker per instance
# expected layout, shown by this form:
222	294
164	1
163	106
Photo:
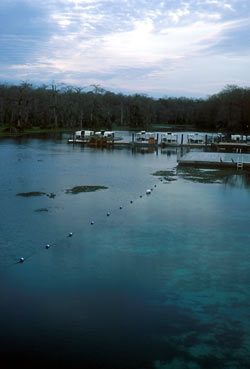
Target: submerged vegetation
36	193
206	175
74	190
226	176
41	210
29	194
164	173
78	189
28	109
168	175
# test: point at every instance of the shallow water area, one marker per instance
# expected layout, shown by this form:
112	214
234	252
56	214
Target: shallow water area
146	281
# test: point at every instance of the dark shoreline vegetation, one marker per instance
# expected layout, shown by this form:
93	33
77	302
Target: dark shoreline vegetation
28	109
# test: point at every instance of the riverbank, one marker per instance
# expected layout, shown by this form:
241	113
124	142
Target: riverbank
6	131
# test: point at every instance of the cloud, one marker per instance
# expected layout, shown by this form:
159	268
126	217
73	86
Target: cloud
123	43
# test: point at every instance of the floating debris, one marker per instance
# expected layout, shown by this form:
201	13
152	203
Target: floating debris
70	234
148	192
92	222
21	260
51	195
108	214
47	246
78	189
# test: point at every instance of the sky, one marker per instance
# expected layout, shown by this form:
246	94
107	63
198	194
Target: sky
158	48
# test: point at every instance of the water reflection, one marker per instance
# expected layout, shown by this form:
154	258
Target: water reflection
148	286
169	151
229	177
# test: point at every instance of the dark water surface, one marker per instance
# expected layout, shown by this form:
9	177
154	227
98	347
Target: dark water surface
162	283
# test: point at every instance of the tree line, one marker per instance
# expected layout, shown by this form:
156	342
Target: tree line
25	106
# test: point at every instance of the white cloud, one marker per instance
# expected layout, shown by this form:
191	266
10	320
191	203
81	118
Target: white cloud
177	14
128	42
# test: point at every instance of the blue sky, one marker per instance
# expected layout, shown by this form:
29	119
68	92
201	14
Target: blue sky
159	48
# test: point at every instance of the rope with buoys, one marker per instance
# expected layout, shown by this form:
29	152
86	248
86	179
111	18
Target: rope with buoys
70	234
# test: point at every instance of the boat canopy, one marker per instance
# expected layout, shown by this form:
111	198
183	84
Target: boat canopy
195	138
83	134
238	138
169	137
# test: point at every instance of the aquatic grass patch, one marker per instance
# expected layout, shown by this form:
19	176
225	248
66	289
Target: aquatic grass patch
36	193
164	173
41	210
30	194
228	176
78	189
168	175
169	179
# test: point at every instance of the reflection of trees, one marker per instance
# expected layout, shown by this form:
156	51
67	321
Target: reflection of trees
238	180
169	151
225	176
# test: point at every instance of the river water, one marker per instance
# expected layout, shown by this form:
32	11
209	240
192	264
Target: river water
161	283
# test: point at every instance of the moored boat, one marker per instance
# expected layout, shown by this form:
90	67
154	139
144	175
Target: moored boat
88	136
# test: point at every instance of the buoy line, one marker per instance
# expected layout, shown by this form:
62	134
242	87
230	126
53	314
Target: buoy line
47	246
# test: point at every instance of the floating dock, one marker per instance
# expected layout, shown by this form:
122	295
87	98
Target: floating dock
120	143
215	160
238	147
164	141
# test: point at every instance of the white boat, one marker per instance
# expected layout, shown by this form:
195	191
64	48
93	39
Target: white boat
144	136
169	138
85	136
81	135
107	134
239	138
195	138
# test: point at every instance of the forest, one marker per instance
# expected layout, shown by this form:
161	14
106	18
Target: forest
56	106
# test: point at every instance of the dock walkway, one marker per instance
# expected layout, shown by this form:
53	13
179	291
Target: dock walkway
215	160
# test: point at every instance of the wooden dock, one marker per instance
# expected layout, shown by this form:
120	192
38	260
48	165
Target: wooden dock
215	160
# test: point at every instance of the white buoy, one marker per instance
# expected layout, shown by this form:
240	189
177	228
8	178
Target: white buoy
47	246
21	260
70	234
148	192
